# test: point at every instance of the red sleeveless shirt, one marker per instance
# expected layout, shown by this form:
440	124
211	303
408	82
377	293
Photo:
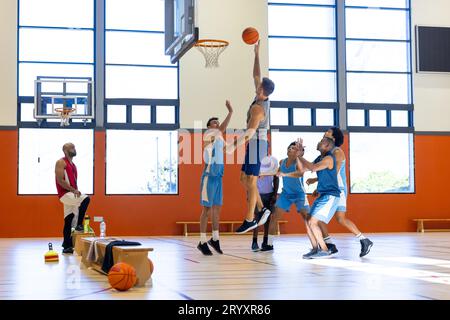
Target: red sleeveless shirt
70	175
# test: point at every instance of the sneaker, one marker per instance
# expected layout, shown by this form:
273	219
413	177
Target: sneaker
216	245
203	247
266	247
265	215
255	247
258	217
320	254
79	228
366	244
332	248
68	250
308	255
247	226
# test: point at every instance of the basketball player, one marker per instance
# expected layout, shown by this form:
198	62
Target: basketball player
293	192
75	203
211	181
338	137
257	147
327	203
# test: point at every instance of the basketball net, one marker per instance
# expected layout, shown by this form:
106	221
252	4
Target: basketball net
65	114
211	50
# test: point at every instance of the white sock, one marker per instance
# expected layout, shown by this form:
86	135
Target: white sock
215	235
251	220
270	240
328	240
203	238
360	236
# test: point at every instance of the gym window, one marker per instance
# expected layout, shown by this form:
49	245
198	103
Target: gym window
135	82
379	96
141	162
53	43
141	101
307	48
302	63
39	149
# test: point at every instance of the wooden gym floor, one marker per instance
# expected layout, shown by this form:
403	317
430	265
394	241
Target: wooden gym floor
400	266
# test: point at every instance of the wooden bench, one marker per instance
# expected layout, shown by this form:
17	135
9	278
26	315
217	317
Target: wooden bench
77	241
421	228
230	223
136	256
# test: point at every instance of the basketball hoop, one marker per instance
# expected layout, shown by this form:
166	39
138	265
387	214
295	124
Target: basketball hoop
211	50
65	114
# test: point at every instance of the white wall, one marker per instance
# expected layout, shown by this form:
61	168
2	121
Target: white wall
8	62
431	91
203	91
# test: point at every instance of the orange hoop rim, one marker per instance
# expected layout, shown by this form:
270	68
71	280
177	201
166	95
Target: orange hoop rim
212	43
65	111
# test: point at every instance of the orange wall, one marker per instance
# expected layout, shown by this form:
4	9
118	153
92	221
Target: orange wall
41	216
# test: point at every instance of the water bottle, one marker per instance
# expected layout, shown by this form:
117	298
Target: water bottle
102	229
86	224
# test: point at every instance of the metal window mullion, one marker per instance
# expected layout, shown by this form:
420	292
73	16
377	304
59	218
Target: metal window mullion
99	73
153	114
388	118
313	117
290	116
341	62
129	113
367	118
377	8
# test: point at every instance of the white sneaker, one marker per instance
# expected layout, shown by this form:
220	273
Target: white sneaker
265	215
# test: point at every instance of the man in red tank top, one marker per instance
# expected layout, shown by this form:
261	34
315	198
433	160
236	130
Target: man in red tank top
75	203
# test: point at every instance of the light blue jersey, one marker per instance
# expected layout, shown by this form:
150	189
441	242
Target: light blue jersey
292	185
342	177
213	156
211	180
342	182
293	190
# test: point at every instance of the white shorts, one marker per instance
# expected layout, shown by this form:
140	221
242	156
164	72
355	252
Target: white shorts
72	204
342	205
324	207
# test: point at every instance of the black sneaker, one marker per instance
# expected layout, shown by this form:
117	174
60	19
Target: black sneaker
68	250
216	245
203	247
79	228
266	247
265	213
366	244
255	247
247	226
332	248
258	217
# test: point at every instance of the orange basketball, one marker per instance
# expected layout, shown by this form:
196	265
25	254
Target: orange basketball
122	276
250	35
151	266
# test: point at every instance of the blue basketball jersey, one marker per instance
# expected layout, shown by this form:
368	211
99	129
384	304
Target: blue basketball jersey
213	156
291	185
327	178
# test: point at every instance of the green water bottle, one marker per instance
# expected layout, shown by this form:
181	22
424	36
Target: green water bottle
86	224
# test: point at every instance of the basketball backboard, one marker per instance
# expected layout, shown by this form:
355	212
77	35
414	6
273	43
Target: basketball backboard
53	94
181	32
